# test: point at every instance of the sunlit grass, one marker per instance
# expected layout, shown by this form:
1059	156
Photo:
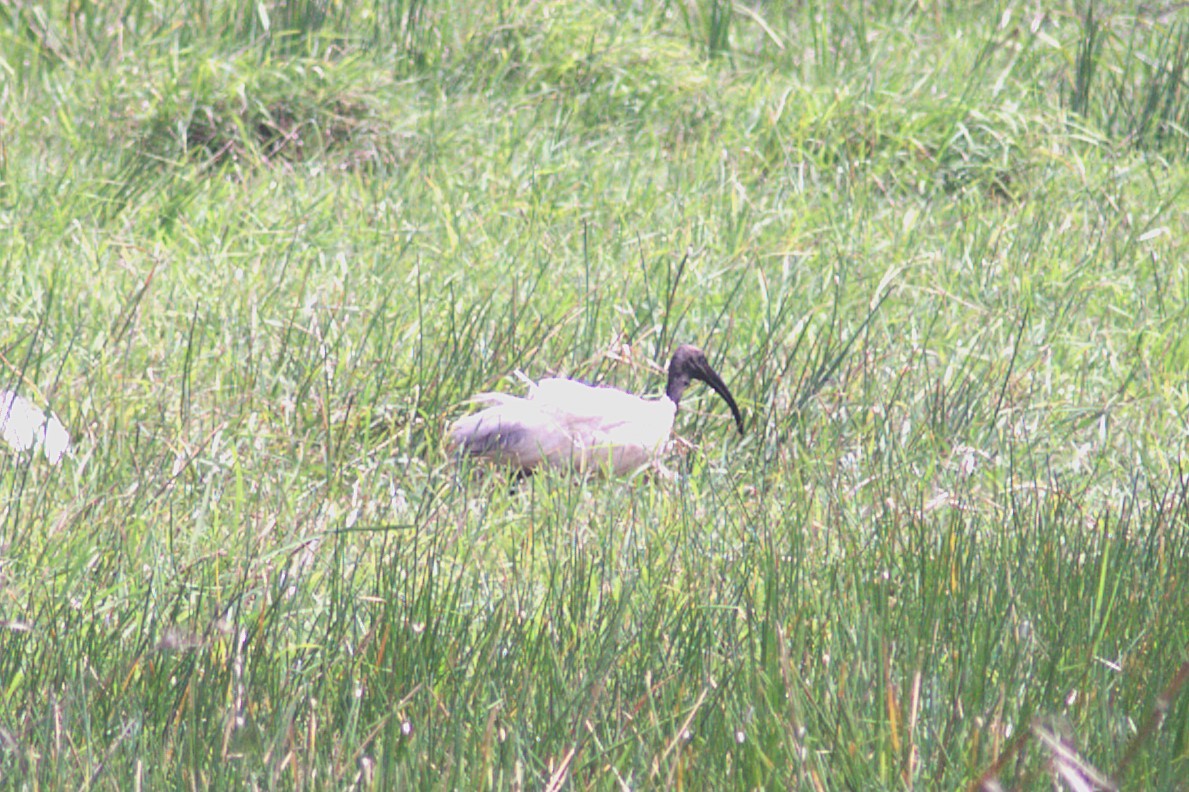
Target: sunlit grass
257	256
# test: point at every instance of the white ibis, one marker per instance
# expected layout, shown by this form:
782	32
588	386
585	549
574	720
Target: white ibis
568	424
24	427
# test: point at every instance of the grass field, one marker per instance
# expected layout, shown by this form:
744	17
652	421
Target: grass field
257	255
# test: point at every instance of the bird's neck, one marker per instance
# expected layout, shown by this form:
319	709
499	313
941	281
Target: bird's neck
675	388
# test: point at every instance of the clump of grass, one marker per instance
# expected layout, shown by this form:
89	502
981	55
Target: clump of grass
1135	90
241	110
708	25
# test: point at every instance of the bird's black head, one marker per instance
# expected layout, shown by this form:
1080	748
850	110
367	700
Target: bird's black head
689	364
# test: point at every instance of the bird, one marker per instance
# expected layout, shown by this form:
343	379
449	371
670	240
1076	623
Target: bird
24	427
566	424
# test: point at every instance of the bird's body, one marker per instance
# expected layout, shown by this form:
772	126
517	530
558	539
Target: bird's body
24	427
563	423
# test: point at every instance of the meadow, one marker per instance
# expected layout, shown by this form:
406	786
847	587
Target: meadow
256	256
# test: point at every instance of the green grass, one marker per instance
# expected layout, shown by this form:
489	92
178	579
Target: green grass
256	255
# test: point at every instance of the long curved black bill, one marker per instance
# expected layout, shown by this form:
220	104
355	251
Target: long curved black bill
711	378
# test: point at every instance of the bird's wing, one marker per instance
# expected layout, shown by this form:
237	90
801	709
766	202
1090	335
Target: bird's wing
565	423
512	431
23	426
588	406
606	418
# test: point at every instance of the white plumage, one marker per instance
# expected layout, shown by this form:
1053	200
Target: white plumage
562	423
24	427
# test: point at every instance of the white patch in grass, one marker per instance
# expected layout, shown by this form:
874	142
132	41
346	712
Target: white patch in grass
1154	233
23	427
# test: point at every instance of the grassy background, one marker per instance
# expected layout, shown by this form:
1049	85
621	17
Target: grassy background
256	254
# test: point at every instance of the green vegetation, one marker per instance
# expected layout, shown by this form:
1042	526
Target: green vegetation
256	255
